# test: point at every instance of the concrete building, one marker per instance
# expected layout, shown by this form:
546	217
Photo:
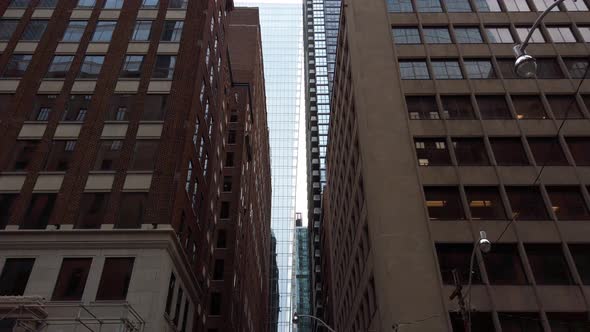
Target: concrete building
302	276
432	139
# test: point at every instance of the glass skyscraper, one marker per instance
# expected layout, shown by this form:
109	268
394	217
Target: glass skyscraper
282	47
301	277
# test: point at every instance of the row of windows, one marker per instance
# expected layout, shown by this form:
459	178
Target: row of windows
464	6
103	31
482	68
494	34
108	4
522	321
486	107
491	203
91	66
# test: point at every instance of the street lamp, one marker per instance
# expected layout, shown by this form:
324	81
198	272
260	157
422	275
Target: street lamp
296	320
525	65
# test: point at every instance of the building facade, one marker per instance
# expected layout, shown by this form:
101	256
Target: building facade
433	138
114	118
302	276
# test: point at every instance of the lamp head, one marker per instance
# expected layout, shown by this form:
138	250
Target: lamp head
295	318
484	244
525	66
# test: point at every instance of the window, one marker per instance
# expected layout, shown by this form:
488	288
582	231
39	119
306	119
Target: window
7	28
218	269
221	239
468	35
113	4
91	66
446	70
172	31
548	264
422	108
131	210
60	156
461	6
400	6
224	210
564	107
177	307
15	276
177	4
544	4
488	6
437	35
580	149
171	287
485	203
43	114
457	107
547	151
104	31
229	159
428	6
74	31
504	266
164	66
432	152
456	257
154	107
493	107
444	203
71	279
529	107
132	66
39	211
517	6
581	255
120	105
227	183
413	70
93	207
527	203
142	31
406	35
77	108
470	151
115	278
17	65
215	306
108	155
520	321
479	69
19	3
150	4
6	203
536	37
480	322
568	321
573	6
561	34
585	32
508	151
144	155
507	68
576	67
231	137
22	155
499	35
567	203
86	3
34	30
185	316
60	65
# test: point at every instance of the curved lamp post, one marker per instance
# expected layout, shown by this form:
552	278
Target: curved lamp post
526	65
296	319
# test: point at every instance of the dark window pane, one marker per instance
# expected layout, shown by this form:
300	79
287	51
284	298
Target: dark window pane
520	321
564	107
177	308
432	152
422	108
116	275
400	6
493	107
131	210
86	3
218	269
568	203
77	108
39	211
548	69
444	203
227	183
42	107
22	155
428	6
457	257
132	66
470	151
74	31
164	66
104	31
7	28
457	107
142	31
458	5
19	3
507	68
113	4
154	107
568	321
120	106
221	239
108	155
529	107
527	203
17	65
215	305
59	66
171	287
60	156
485	203
91	66
47	3
15	275
547	151
144	155
548	264
480	69
150	4
93	208
576	67
437	35
470	35
177	3
480	321
224	210
34	30
504	266
172	31
6	203
508	151
581	255
580	149
72	279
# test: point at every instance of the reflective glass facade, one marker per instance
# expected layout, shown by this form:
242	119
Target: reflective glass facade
301	279
282	48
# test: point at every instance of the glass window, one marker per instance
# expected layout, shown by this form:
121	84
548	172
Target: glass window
6	203
517	6
91	66
19	3
144	156
150	4
547	151
61	154
561	34
406	35
568	321
458	5
422	107
154	107
504	266
142	31
488	5
544	4
479	69
86	3
172	31
221	239
7	28
520	321
215	304
171	288
77	108
509	151
581	255
485	203
446	70
428	6
113	4
119	107
457	107
564	107
22	155
499	35
60	65
104	31
177	4
132	66
164	66
548	264
585	32
574	6
493	107
456	256
567	203
131	210
400	6
536	37
17	65
527	203
507	68
224	210
15	276
576	67
115	279
71	280
42	106
93	208
529	107
468	35
438	35
413	70
218	268
580	149
444	203
74	31
432	152
480	322
108	155
470	151
39	211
